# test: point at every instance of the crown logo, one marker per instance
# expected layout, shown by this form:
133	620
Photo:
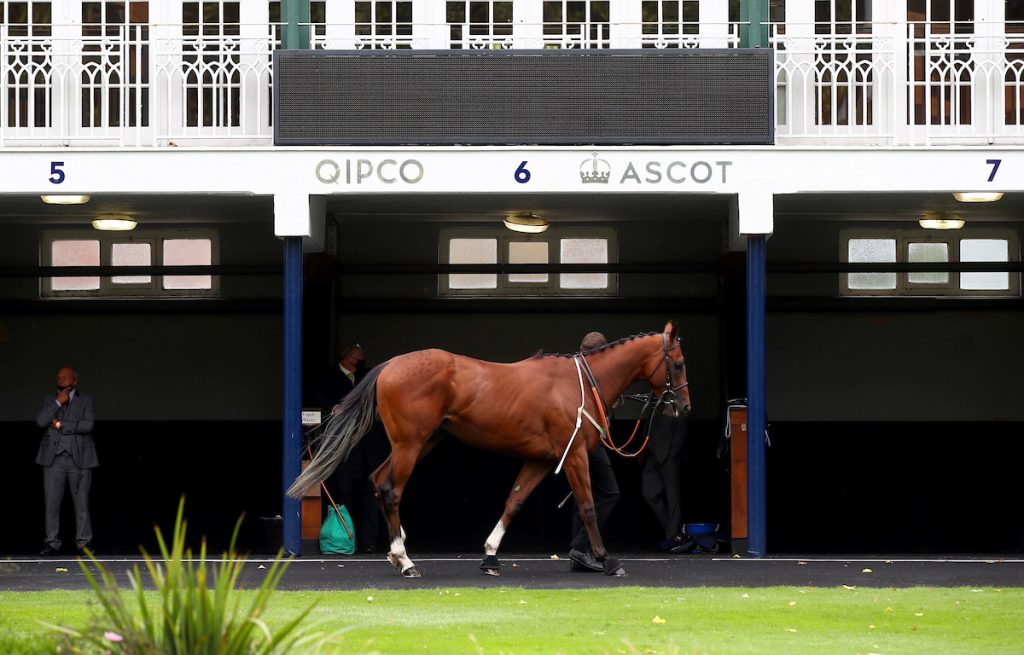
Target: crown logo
595	171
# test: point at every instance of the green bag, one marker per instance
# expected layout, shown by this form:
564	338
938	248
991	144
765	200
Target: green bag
337	538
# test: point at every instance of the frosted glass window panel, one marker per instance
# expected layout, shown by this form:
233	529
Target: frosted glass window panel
188	252
473	251
528	252
131	254
984	250
75	252
863	251
928	253
584	251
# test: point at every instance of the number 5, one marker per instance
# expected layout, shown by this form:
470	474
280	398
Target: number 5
56	173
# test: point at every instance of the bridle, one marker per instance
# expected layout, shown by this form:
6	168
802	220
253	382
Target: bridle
667	397
669	389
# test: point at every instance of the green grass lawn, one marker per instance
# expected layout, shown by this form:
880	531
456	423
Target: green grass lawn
790	620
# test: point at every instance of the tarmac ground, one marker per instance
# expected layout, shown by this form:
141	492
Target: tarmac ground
542	571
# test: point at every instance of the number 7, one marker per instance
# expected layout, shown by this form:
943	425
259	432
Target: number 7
994	163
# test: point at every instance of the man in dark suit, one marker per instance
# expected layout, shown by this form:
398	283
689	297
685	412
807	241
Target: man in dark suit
342	377
67	454
661	479
603	486
350	483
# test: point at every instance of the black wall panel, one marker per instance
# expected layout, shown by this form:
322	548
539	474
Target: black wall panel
426	97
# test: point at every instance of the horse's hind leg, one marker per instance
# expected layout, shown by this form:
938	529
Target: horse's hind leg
527	480
577	470
389	481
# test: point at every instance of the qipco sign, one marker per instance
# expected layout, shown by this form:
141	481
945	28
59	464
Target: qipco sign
367	171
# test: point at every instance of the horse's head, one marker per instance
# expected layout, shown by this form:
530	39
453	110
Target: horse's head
668	377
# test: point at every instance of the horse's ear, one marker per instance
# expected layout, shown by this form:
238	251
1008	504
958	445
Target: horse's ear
671	331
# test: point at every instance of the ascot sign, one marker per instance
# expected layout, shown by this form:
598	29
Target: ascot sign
598	171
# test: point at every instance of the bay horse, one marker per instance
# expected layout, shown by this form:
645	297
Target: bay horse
533	409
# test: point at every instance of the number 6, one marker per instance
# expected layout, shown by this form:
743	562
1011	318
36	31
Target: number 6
522	174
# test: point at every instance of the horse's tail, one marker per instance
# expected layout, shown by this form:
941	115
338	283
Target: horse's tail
341	433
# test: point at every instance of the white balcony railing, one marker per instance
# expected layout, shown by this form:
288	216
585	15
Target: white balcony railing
882	83
136	85
899	84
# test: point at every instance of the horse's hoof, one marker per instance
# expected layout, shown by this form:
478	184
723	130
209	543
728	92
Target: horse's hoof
614	567
490	565
412	572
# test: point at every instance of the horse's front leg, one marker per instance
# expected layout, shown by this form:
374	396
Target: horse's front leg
529	477
577	470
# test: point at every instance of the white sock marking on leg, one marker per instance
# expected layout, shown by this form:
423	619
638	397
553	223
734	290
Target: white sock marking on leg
494	540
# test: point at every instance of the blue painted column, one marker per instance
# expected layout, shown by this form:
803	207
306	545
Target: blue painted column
756	419
292	414
295	36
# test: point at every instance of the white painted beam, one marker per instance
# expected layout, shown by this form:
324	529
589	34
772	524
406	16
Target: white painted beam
524	170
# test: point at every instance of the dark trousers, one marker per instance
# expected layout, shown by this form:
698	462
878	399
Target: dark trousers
351	486
62	474
662	476
605	489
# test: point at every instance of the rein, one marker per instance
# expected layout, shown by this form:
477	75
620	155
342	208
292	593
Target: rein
667	397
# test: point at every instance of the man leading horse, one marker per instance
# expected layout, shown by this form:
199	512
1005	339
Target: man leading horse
549	410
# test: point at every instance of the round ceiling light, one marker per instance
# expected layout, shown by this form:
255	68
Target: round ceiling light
65	198
114	222
978	196
529	223
940	222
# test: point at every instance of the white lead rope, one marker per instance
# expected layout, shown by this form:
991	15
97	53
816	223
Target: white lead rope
580	413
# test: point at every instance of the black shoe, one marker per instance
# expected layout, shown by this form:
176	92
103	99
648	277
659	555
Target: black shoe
581	562
81	551
672	544
49	551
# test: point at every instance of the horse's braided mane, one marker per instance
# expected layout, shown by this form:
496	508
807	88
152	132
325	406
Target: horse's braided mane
610	344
